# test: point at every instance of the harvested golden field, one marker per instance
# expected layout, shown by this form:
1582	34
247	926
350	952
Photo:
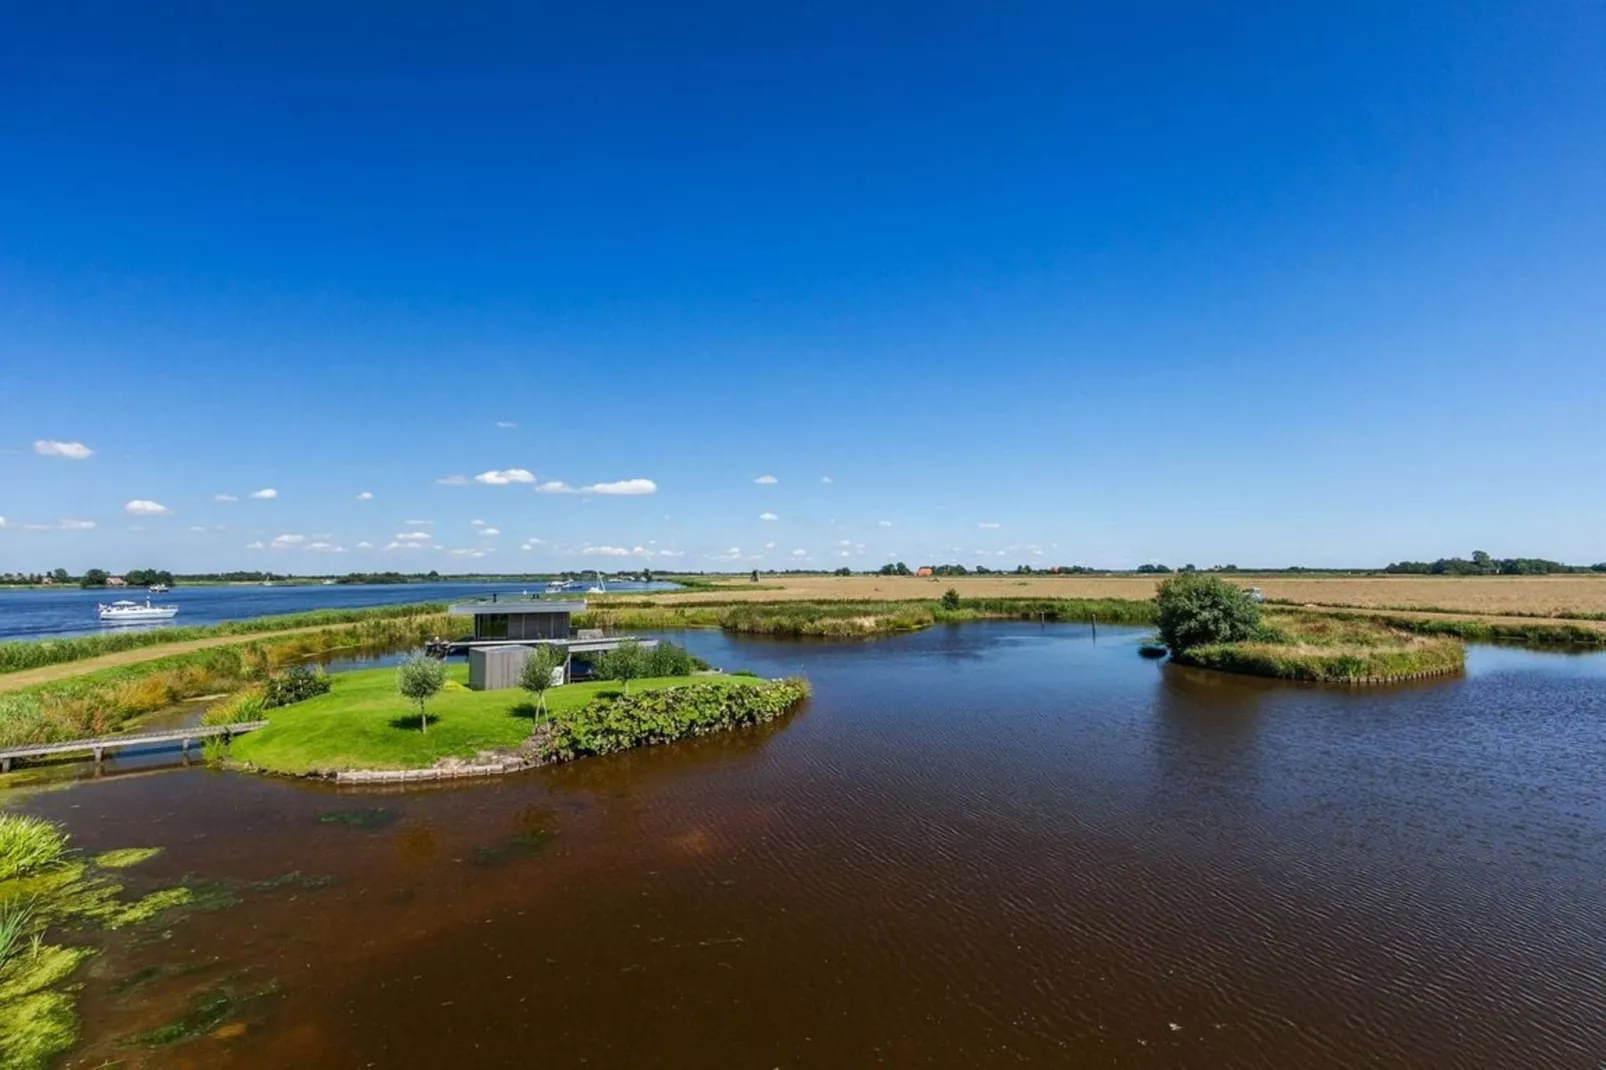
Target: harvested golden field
1579	595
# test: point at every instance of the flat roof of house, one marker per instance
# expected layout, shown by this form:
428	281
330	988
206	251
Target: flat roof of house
517	604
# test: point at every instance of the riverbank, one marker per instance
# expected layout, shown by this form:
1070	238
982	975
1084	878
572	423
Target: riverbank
92	700
849	619
363	724
1332	649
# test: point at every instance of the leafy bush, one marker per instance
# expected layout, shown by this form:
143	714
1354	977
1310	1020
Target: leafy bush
296	685
604	726
950	599
625	662
1194	609
667	659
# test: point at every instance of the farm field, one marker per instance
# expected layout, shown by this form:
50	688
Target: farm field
1578	595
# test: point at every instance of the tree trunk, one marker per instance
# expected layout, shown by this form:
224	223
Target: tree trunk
423	718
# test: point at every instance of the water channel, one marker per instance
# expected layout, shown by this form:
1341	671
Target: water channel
989	845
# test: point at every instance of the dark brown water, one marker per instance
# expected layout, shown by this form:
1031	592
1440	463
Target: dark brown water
998	845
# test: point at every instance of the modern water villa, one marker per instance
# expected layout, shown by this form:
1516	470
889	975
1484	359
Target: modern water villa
507	629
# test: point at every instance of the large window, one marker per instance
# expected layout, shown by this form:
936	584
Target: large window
491	626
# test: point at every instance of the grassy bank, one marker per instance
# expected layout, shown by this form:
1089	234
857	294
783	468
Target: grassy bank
102	702
849	619
32	654
1332	649
362	723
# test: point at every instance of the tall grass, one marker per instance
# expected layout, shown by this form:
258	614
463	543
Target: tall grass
1331	649
101	702
32	654
28	845
850	618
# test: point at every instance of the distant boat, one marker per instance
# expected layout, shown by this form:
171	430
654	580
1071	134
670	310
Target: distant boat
160	588
600	588
125	612
556	587
328	583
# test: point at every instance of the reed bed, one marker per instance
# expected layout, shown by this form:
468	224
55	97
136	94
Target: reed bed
35	653
848	619
1332	649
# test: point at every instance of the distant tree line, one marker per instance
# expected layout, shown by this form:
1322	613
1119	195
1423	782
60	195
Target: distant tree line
1482	564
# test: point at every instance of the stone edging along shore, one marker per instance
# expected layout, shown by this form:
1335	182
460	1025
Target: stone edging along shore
454	771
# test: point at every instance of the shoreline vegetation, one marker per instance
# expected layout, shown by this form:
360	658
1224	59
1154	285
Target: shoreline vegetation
1318	643
19	654
362	724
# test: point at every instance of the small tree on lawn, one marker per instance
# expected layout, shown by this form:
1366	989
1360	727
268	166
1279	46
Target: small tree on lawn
625	662
536	675
950	598
418	678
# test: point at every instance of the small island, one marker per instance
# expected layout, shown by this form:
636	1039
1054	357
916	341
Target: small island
1211	624
362	725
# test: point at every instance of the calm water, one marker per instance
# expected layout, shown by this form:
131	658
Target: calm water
38	614
996	845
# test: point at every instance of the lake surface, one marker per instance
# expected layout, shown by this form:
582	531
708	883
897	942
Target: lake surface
989	845
35	614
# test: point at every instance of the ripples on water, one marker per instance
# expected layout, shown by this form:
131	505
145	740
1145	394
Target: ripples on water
992	845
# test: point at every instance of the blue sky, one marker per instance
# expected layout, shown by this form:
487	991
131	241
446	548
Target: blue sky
1262	284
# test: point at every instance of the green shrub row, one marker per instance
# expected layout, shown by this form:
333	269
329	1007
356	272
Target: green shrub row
604	726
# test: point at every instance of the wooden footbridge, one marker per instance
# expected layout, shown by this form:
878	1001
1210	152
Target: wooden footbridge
100	745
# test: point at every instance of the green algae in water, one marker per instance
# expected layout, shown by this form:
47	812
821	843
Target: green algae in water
526	844
294	879
208	1010
370	819
36	1029
125	857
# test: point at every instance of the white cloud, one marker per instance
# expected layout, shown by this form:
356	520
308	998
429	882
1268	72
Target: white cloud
469	552
452	481
506	425
73	451
477	523
729	555
769	546
326	547
62	525
845	553
554	486
988	525
208	527
224	498
623	488
825	479
413	536
605	551
671	553
504	476
2	521
145	507
768	516
266	494
766	480
258	545
366	496
883	523
419	523
845	542
284	542
800	553
365	545
528	545
397	545
487	532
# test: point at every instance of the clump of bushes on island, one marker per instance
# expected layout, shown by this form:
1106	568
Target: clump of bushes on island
1209	623
610	724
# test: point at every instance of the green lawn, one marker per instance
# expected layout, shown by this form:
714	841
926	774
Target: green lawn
362	723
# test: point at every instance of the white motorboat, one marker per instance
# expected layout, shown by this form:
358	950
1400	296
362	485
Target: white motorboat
556	587
125	612
160	588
